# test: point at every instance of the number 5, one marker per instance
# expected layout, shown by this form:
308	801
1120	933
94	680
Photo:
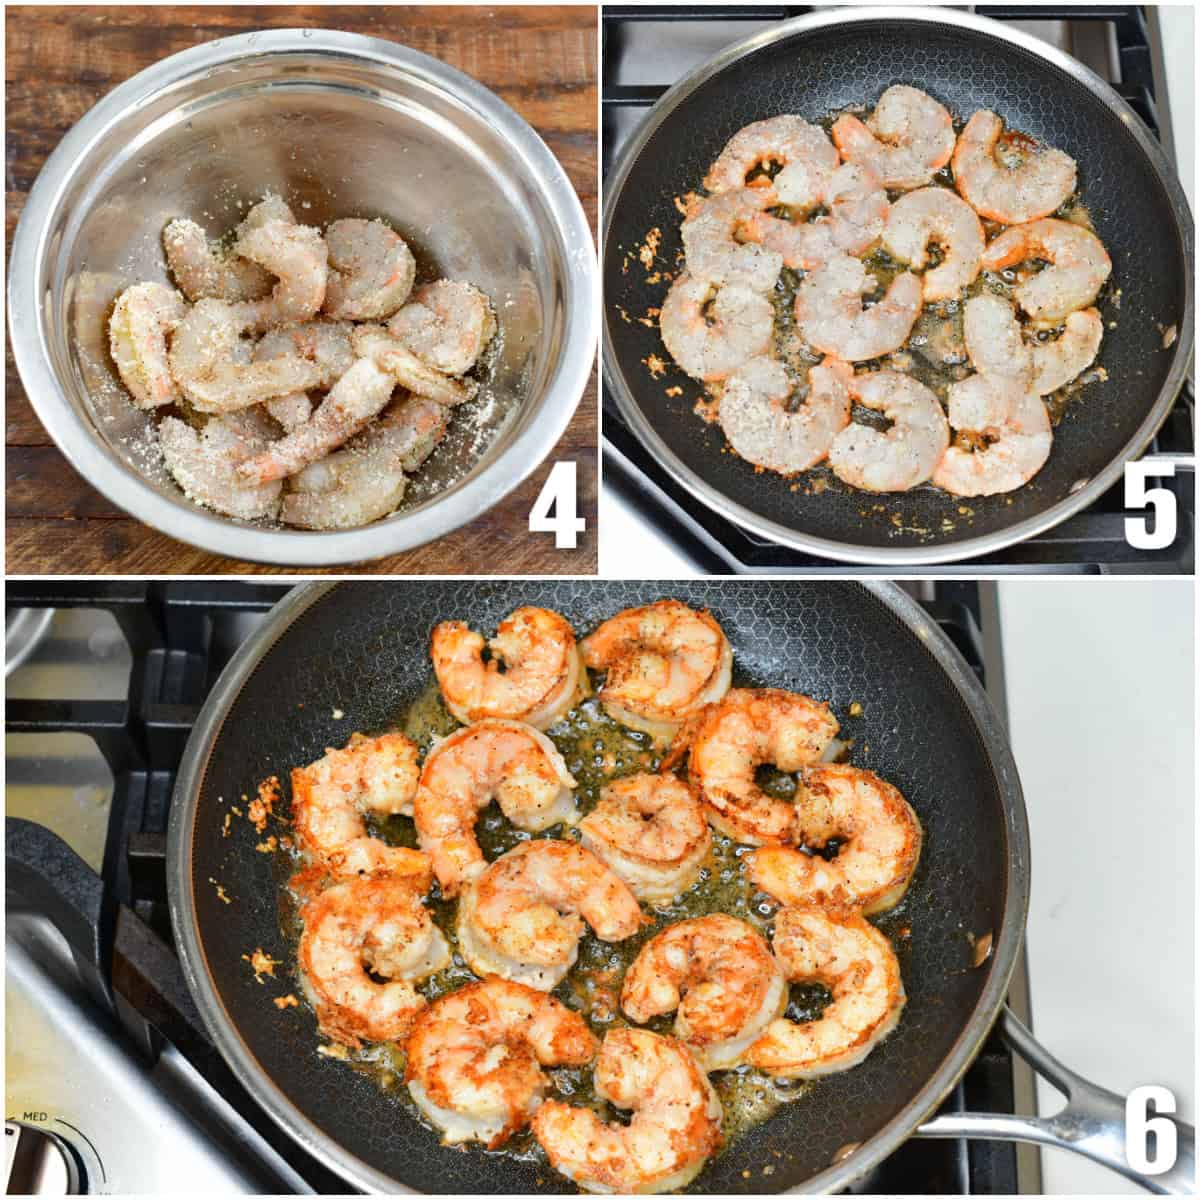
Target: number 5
1139	1125
560	493
1137	495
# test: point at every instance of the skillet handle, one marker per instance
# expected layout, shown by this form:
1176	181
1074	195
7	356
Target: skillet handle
1091	1124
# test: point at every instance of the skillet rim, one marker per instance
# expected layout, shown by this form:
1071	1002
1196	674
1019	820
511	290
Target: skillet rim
968	548
327	1150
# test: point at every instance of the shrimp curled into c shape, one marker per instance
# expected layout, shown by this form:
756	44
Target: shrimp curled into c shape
143	317
711	329
522	918
718	975
906	139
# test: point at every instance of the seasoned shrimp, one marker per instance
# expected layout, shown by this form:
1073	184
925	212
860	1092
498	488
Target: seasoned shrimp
831	316
325	343
1079	267
205	465
371	270
907	453
206	271
676	1124
374	342
879	840
730	740
803	151
711	329
359	925
366	480
664	661
297	256
475	1058
523	916
212	364
857	964
713	240
513	763
993	338
141	320
330	796
908	137
1010	179
1056	363
934	215
758	418
533	672
447	324
717	974
650	829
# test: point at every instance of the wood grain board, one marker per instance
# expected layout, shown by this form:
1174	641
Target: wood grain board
542	62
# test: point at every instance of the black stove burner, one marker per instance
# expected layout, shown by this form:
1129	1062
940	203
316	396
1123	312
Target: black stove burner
1091	542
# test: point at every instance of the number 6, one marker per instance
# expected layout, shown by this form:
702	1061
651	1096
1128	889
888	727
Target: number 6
1137	495
1139	1125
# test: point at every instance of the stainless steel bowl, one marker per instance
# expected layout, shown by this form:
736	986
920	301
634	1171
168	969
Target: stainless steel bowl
340	125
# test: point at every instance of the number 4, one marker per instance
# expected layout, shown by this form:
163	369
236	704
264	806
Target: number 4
1137	495
559	493
1139	1125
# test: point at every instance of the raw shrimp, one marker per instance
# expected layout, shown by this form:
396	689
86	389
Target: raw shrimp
330	796
1079	267
366	480
712	240
907	453
141	320
205	465
803	151
934	215
908	137
475	1058
325	343
513	763
879	840
205	271
730	740
376	924
533	672
711	329
447	324
296	255
212	363
1056	363
676	1124
857	964
831	316
374	342
1022	182
650	829
523	916
371	270
757	416
664	661
717	974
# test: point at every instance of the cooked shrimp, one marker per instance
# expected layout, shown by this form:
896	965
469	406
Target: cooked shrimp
831	316
205	271
1056	363
906	139
907	453
676	1123
803	151
371	270
718	976
376	924
212	364
712	242
1079	267
330	796
879	840
993	338
533	672
664	661
475	1057
297	256
712	329
374	342
447	324
367	479
141	320
730	740
650	829
205	465
934	215
513	763
523	916
857	964
758	418
1022	182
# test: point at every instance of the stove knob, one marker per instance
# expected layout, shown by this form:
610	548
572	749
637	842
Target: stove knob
41	1163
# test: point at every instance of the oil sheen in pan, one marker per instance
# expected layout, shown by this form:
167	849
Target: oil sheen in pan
597	750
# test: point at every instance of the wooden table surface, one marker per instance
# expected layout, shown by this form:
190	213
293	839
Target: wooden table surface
61	61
